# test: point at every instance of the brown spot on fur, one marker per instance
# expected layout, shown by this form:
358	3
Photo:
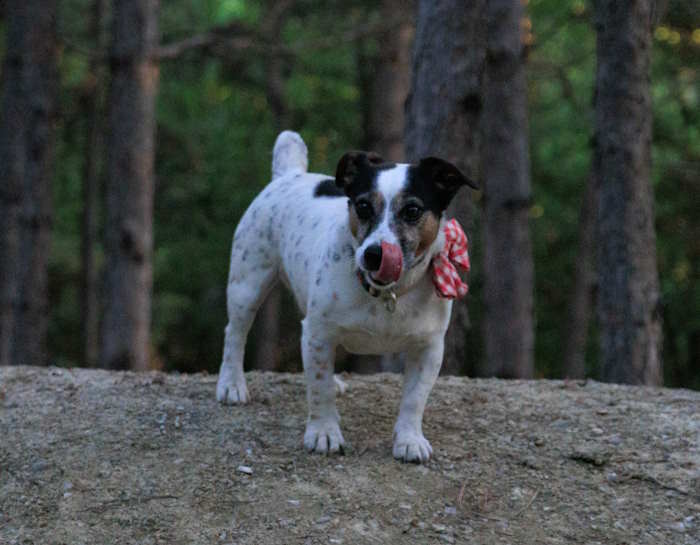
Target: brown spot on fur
354	222
428	231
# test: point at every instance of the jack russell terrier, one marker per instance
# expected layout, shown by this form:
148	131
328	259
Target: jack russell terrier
369	257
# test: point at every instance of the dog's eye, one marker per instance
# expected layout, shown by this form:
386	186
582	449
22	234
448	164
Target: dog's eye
364	210
411	213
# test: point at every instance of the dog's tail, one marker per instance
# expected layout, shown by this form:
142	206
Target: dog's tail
289	154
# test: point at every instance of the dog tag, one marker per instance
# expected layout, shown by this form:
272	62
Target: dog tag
390	301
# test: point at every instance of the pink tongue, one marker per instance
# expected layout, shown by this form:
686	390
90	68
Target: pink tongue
392	262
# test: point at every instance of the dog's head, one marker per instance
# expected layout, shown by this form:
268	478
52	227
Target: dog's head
395	210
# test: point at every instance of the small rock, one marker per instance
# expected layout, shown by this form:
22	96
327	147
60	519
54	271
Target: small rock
67	485
295	503
245	469
447	538
405	506
449	510
678	527
40	465
539	441
68	495
597	431
439	527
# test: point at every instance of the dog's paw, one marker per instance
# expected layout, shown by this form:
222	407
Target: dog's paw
340	385
231	392
323	436
411	446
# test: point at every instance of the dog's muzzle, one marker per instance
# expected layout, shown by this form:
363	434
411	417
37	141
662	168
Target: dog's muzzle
383	262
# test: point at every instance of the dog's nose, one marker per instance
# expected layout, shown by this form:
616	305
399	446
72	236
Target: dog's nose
373	257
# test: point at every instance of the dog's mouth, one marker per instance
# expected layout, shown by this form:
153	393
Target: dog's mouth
368	279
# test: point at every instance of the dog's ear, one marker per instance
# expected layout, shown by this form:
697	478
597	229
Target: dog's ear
352	165
445	178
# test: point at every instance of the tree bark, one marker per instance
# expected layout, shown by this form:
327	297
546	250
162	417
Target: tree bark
90	300
628	304
584	288
267	325
443	113
130	185
27	145
508	266
389	82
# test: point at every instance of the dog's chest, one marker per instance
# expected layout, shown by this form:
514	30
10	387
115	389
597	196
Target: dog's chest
372	329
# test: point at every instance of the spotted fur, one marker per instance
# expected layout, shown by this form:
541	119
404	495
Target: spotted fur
316	248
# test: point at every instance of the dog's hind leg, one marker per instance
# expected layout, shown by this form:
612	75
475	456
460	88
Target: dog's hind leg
253	274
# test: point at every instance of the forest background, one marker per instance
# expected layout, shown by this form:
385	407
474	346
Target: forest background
235	72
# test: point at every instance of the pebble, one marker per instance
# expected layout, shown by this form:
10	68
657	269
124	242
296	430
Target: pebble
40	465
597	431
439	527
295	503
449	510
678	526
245	469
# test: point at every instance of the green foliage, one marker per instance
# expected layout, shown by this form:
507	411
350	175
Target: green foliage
216	129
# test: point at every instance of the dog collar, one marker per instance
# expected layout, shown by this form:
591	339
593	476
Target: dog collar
388	296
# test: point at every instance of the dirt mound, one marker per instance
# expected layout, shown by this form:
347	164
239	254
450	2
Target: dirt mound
91	457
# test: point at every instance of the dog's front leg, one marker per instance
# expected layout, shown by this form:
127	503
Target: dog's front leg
323	425
421	370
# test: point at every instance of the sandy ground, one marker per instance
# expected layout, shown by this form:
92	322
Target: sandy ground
92	457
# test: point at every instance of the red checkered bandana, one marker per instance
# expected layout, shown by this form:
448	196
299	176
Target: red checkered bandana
445	276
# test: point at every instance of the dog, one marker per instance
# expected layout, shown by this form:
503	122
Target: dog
358	252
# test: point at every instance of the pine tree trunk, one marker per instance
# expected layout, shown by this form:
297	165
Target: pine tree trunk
91	196
443	113
630	321
267	325
130	185
389	83
27	148
508	266
583	291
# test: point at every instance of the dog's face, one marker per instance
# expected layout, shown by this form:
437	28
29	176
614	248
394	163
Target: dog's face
395	210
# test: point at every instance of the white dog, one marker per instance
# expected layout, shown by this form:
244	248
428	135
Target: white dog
367	259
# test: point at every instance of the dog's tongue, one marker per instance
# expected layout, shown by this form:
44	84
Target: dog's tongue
392	262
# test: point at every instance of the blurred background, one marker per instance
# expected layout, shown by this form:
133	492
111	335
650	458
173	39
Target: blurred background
133	136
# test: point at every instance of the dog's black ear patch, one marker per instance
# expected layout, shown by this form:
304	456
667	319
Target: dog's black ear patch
443	177
435	182
357	171
328	188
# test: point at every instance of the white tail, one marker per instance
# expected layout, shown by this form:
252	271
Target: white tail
289	154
